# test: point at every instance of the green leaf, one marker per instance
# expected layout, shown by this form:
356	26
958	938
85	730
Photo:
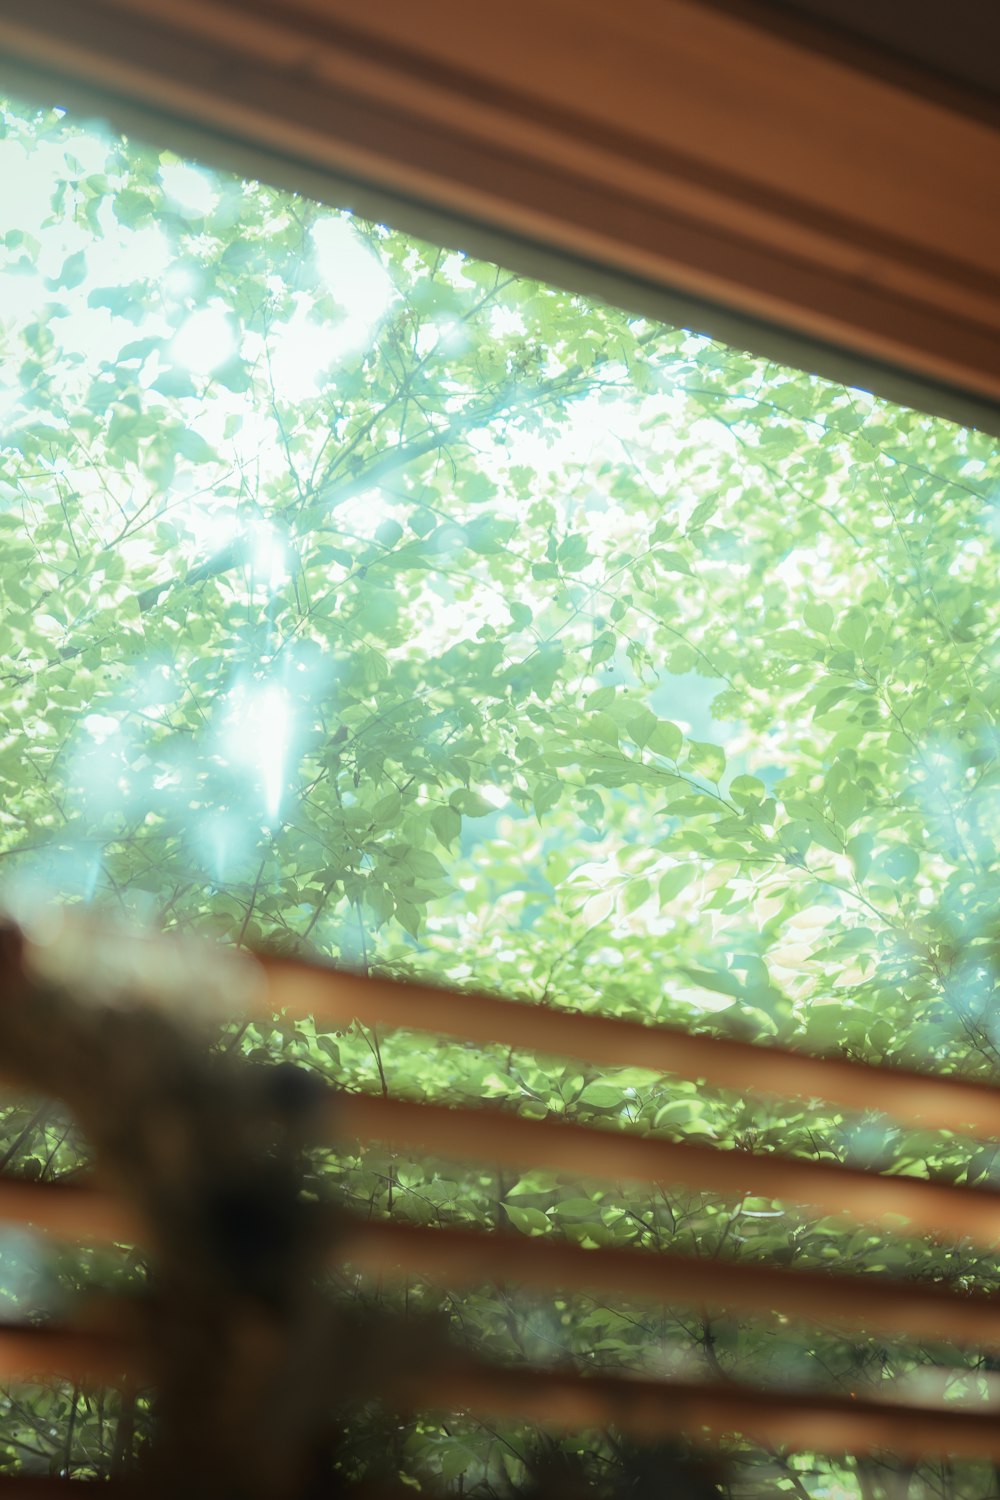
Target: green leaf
666	739
192	445
603	728
859	849
132	208
456	1460
748	791
527	1220
175	381
900	863
853	628
329	1046
673	882
534	1183
387	809
471	804
545	795
635	893
602	649
425	865
601	698
678	1113
572	553
714	979
138	349
642	724
238	255
380	902
118	300
235	374
74	271
848	804
818	617
708	760
447	825
575	1208
389	533
602	1096
408	916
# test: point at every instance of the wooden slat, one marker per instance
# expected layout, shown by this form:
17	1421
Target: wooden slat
336	997
29	1352
568	1401
483	1135
666	140
493	1136
463	1257
50	1487
70	1211
651	1409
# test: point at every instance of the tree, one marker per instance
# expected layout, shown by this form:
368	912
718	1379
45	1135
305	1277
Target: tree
369	601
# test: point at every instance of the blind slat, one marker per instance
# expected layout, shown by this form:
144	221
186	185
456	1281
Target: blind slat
339	997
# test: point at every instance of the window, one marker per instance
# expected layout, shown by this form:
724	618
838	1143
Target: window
368	600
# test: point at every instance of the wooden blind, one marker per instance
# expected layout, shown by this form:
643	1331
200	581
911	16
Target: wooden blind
856	1301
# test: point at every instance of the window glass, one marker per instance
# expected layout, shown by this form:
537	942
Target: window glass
366	600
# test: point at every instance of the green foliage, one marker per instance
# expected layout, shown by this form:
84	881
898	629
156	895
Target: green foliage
367	601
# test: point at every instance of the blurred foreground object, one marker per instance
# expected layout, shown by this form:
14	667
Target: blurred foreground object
207	1151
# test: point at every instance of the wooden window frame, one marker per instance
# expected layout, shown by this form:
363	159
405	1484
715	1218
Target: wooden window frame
671	155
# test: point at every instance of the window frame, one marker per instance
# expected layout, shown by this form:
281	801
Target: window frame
700	205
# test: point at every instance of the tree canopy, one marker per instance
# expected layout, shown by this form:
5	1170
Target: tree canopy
369	601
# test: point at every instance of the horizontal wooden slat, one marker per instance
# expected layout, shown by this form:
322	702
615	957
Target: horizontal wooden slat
463	1257
490	1135
468	1257
650	1409
565	1400
336	997
879	1304
50	1487
666	140
29	1352
71	1211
